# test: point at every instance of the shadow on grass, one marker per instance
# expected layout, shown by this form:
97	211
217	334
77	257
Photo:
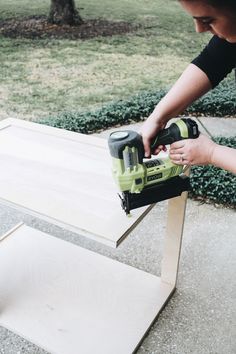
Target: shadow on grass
33	27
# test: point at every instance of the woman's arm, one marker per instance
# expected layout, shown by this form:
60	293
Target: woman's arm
191	85
224	157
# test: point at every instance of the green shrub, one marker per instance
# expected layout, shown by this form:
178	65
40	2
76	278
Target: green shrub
118	113
218	102
214	184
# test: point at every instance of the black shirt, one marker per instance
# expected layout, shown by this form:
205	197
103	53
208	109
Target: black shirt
217	59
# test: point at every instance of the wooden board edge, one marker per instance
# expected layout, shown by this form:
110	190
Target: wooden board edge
132	227
11	231
57	132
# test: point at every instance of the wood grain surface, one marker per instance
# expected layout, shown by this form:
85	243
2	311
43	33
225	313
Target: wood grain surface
64	178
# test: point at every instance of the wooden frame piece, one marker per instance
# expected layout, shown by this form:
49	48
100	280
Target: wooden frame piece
66	299
64	178
173	239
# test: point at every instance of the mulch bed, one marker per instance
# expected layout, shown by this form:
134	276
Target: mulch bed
34	27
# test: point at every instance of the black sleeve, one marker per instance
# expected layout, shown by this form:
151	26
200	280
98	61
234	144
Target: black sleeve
217	59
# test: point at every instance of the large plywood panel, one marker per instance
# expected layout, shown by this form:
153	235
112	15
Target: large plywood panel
63	177
69	300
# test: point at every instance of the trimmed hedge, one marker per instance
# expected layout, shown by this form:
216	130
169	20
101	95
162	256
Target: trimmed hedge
219	102
214	184
117	113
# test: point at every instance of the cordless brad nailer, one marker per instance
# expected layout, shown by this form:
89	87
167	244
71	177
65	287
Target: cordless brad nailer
147	182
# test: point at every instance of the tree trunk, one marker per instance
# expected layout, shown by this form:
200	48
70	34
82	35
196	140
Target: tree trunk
64	12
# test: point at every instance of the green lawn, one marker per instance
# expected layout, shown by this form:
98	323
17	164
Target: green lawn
43	77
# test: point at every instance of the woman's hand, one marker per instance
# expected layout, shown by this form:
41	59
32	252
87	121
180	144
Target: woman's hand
193	151
149	130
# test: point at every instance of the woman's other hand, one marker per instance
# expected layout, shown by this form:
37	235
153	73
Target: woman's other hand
192	151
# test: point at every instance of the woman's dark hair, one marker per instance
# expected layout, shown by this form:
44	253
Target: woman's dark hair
227	4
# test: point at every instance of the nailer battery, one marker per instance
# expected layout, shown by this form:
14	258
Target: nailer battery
146	182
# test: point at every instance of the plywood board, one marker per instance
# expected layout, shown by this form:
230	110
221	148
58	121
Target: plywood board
67	299
64	178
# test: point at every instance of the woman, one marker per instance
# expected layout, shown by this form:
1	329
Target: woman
203	74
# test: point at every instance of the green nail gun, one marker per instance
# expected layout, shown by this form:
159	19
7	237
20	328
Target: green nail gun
147	182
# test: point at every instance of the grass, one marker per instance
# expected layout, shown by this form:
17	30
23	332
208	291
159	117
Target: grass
44	77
